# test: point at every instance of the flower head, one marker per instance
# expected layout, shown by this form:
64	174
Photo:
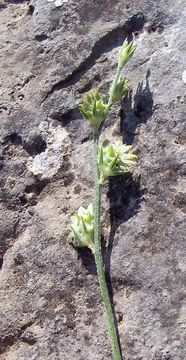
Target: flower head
118	90
114	159
82	228
94	109
127	51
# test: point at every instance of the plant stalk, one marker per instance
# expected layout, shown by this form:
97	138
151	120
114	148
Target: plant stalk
99	259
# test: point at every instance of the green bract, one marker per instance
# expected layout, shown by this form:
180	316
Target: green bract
118	90
114	159
127	51
94	109
82	228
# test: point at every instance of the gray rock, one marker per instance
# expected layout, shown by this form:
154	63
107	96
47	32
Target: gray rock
50	303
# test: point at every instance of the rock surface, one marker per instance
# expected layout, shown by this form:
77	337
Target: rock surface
52	53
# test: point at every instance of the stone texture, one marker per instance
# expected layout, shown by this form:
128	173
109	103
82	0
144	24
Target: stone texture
50	301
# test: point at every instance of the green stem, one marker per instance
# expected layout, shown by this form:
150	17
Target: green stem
99	259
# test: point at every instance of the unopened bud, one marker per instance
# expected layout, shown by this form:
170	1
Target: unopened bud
95	110
118	90
127	51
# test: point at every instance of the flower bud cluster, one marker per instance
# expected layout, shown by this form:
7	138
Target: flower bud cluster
127	51
82	228
118	90
114	159
95	110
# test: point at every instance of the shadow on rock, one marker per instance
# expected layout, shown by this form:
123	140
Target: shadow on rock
125	198
136	111
124	192
87	259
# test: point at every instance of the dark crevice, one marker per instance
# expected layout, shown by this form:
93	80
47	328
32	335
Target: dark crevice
120	283
27	80
33	189
157	23
36	188
29	339
105	44
41	37
11	339
18	259
25	326
3	108
66	117
1	262
6	243
17	1
85	88
2	6
35	146
86	138
67	177
154	28
6	342
14	139
31	10
23	200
